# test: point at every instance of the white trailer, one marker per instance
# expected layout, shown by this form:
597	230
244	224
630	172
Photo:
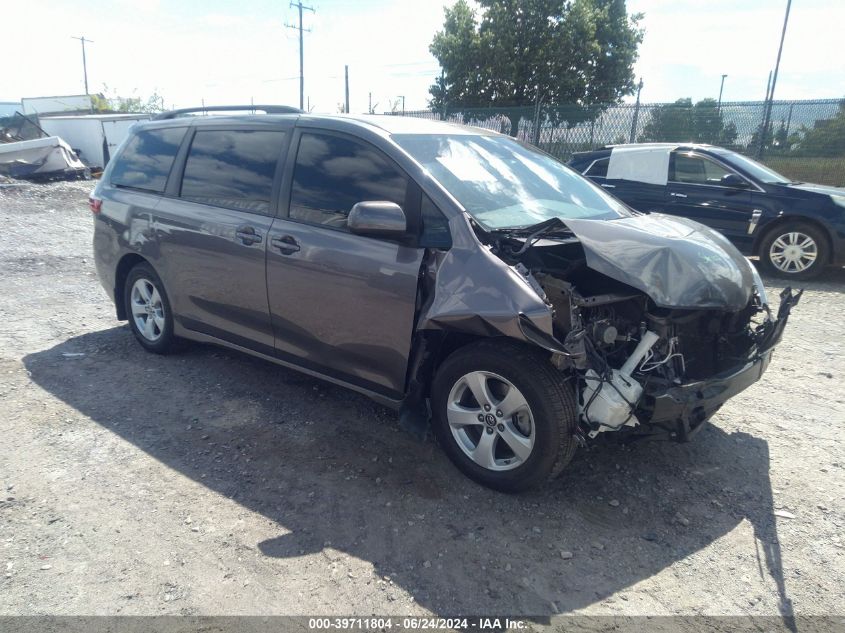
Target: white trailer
56	105
94	137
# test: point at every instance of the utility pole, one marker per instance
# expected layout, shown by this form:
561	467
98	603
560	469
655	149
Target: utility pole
443	93
299	28
346	87
761	130
768	115
721	88
636	113
403	103
84	61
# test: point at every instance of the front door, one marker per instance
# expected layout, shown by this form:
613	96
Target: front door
695	191
342	304
213	231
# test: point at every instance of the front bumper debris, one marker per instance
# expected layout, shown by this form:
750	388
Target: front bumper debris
682	410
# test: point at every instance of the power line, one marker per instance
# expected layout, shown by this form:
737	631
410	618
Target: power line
84	62
299	28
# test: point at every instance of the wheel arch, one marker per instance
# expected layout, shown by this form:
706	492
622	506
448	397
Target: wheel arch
433	347
785	220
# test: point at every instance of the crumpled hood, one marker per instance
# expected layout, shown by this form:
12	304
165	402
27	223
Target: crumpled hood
677	262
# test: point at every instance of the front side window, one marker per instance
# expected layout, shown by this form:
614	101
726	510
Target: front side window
333	173
435	231
505	184
697	170
232	168
146	161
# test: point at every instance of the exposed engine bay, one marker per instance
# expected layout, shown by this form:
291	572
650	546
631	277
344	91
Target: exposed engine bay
655	341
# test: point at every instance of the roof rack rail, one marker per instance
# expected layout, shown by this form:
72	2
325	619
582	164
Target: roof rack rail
267	109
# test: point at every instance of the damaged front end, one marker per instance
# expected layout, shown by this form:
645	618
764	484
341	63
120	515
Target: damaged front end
660	319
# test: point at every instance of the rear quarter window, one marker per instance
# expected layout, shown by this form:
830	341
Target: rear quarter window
146	161
598	169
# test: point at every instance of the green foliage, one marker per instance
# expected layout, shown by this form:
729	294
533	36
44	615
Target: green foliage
687	123
109	101
826	137
514	53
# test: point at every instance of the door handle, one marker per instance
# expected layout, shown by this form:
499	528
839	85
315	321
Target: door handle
609	186
287	244
678	195
247	235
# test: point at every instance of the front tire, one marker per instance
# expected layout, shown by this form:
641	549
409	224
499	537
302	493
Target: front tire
148	309
796	250
504	415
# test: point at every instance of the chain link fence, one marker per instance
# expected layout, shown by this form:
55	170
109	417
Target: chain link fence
803	140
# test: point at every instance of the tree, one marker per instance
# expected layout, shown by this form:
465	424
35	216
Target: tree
105	102
669	123
515	53
768	139
826	137
684	122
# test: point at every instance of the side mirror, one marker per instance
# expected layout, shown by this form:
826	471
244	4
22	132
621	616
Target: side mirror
734	181
377	219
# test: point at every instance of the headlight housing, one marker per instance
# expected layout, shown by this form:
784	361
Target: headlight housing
758	285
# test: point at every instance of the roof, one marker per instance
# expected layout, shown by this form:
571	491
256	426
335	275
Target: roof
384	123
108	116
394	124
651	146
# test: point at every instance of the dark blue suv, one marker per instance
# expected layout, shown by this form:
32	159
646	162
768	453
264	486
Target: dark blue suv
795	228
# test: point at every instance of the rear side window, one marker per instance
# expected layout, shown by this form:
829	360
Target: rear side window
598	169
332	174
146	161
232	168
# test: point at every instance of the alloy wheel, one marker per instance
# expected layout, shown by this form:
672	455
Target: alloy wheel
490	421
793	252
147	309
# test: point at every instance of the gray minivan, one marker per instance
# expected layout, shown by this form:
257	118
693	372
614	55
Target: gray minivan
458	275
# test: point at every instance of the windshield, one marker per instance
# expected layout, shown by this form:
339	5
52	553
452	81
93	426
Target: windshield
505	184
755	169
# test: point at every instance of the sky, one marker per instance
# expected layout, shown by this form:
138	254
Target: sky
226	52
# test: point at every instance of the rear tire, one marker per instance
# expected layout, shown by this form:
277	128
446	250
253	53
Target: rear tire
148	309
524	434
795	250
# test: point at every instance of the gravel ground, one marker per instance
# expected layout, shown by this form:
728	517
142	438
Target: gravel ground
214	483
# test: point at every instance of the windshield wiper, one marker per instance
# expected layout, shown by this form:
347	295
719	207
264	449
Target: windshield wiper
535	231
544	227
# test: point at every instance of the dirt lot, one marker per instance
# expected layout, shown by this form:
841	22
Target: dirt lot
213	483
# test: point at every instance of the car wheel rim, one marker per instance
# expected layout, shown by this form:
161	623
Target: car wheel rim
793	252
147	309
490	421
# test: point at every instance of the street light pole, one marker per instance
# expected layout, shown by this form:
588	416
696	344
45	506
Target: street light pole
721	88
84	61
